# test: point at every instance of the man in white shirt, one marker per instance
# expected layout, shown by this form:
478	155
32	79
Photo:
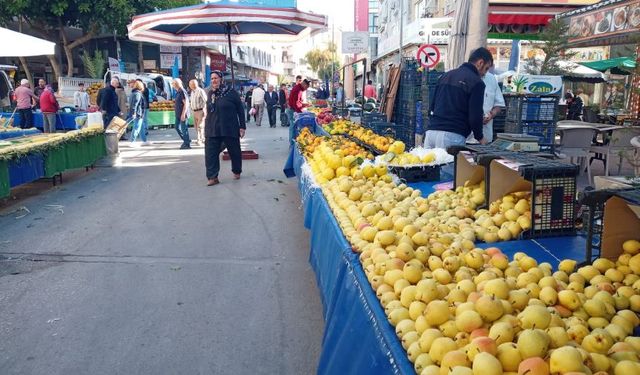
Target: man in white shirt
492	105
257	102
81	98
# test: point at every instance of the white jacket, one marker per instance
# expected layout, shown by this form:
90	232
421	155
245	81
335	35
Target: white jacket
258	96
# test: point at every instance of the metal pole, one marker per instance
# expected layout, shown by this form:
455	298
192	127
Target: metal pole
401	30
364	78
233	78
333	66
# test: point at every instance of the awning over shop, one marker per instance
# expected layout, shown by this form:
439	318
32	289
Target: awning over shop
580	73
17	44
620	65
605	23
519	19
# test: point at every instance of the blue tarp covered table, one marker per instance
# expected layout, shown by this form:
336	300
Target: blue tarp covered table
18	133
64	121
26	169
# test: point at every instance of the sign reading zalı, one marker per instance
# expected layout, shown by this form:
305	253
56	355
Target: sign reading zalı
355	42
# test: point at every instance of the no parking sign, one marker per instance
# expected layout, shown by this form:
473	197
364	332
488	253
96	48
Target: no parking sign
428	55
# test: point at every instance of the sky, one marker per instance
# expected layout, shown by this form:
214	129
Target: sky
338	11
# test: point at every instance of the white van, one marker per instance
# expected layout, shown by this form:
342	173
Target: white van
6	86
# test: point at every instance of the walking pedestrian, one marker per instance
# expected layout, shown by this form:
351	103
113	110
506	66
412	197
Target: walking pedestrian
296	105
109	102
492	104
257	102
339	93
247	102
146	100
456	106
282	100
25	99
370	91
136	112
198	103
271	100
182	113
49	106
225	125
122	99
81	98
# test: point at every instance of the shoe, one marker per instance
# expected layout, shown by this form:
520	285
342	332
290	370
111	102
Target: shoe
213	181
185	147
236	176
147	143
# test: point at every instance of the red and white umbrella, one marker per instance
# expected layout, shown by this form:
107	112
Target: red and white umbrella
224	21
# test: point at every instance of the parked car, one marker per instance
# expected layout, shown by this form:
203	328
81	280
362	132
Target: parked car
6	85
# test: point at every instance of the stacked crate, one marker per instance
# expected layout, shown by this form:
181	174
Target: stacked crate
407	97
533	115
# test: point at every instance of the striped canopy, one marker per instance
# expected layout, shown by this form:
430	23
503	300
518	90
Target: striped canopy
213	23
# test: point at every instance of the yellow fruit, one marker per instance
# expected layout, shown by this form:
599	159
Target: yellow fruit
328	173
429	158
631	247
368	171
381	170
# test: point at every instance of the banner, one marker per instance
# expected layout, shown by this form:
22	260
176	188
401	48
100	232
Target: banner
355	42
218	62
613	23
114	65
171	49
532	84
166	60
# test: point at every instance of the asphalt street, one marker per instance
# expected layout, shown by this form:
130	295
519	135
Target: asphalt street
140	268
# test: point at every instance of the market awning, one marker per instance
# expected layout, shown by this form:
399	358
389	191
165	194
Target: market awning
580	73
519	19
620	65
17	44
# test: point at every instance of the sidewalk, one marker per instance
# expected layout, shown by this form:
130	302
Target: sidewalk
143	269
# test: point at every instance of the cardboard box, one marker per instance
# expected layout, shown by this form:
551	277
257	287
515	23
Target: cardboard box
621	222
467	170
118	125
505	179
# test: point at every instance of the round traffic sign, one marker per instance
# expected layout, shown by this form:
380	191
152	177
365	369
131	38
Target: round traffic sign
428	55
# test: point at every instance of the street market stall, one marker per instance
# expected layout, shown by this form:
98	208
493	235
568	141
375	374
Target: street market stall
343	234
64	120
28	158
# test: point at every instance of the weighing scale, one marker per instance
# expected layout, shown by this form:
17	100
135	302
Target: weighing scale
517	142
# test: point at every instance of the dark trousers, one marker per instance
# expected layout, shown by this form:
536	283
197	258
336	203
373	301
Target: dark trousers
271	112
183	131
213	146
248	105
26	118
107	117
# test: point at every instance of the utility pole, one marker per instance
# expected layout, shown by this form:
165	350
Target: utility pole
401	30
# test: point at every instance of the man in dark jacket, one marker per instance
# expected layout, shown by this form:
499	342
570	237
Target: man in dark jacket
247	102
109	102
271	100
282	100
456	106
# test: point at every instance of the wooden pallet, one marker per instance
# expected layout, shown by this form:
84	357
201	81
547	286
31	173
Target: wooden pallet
246	155
390	92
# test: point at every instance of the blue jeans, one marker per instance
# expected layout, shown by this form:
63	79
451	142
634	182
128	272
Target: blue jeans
138	129
145	123
442	139
183	131
290	113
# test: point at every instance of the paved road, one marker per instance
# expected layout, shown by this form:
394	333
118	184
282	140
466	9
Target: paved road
143	269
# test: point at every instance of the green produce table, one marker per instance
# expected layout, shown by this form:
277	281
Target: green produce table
55	162
163	118
84	152
73	153
4	178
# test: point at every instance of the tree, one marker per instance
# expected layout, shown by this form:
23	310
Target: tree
321	62
51	18
555	47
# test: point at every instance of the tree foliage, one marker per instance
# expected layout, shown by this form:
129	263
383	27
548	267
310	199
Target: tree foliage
321	61
94	65
48	19
555	47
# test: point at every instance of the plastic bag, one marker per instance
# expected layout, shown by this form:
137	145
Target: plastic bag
252	111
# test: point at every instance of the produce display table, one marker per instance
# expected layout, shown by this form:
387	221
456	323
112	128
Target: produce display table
75	153
64	121
354	317
163	118
18	133
26	169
